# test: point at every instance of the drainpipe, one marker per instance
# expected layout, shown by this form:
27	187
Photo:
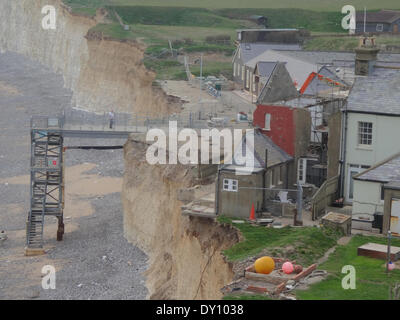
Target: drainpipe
217	191
343	151
264	183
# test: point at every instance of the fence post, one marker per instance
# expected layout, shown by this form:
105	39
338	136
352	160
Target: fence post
388	259
299	216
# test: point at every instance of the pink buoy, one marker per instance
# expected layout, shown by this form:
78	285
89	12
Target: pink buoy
391	266
287	267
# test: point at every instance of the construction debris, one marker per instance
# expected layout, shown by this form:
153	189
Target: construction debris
277	283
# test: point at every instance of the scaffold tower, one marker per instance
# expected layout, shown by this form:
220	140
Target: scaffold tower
47	180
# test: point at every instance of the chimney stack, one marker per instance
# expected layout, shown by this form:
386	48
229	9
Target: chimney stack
366	56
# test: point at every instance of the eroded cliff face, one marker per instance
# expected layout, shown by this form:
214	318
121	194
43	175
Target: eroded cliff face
102	73
186	260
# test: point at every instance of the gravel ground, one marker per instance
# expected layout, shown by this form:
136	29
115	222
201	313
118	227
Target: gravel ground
94	261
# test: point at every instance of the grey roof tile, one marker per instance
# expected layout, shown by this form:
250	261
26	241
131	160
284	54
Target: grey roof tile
378	93
386	171
251	50
261	143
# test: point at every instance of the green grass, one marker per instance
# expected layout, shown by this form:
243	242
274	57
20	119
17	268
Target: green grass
314	15
292	18
158	33
316	5
309	243
246	297
372	282
170	16
114	30
331	43
85	7
229	18
172	70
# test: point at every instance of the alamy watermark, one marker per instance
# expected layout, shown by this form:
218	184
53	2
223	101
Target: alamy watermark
349	280
191	143
50	19
349	21
49	278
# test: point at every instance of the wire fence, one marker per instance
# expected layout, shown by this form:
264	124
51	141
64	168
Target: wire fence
82	120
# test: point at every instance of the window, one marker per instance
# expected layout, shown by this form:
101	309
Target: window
273	178
267	125
352	171
242	72
280	180
301	171
269	180
382	192
230	185
364	133
278	175
235	69
379	27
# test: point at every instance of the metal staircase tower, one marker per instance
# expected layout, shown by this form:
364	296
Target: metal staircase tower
47	181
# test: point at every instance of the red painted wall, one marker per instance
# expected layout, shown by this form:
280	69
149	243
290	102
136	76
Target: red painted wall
282	125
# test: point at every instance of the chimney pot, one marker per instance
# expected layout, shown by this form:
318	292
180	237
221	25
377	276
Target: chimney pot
366	56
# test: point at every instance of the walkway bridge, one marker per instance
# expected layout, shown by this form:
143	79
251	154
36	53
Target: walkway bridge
47	159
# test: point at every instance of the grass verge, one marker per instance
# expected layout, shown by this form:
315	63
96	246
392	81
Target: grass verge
246	297
372	282
307	244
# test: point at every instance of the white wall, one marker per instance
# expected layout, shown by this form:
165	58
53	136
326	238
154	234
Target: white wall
385	141
367	197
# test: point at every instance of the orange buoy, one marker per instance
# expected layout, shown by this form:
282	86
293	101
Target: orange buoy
264	265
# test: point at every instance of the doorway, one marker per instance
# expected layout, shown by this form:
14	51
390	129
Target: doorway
353	170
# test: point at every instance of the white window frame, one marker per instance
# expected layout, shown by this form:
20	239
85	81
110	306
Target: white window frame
365	133
272	178
302	168
267	122
380	29
230	185
280	174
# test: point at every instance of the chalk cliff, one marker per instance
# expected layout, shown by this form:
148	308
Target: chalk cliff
186	260
102	73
